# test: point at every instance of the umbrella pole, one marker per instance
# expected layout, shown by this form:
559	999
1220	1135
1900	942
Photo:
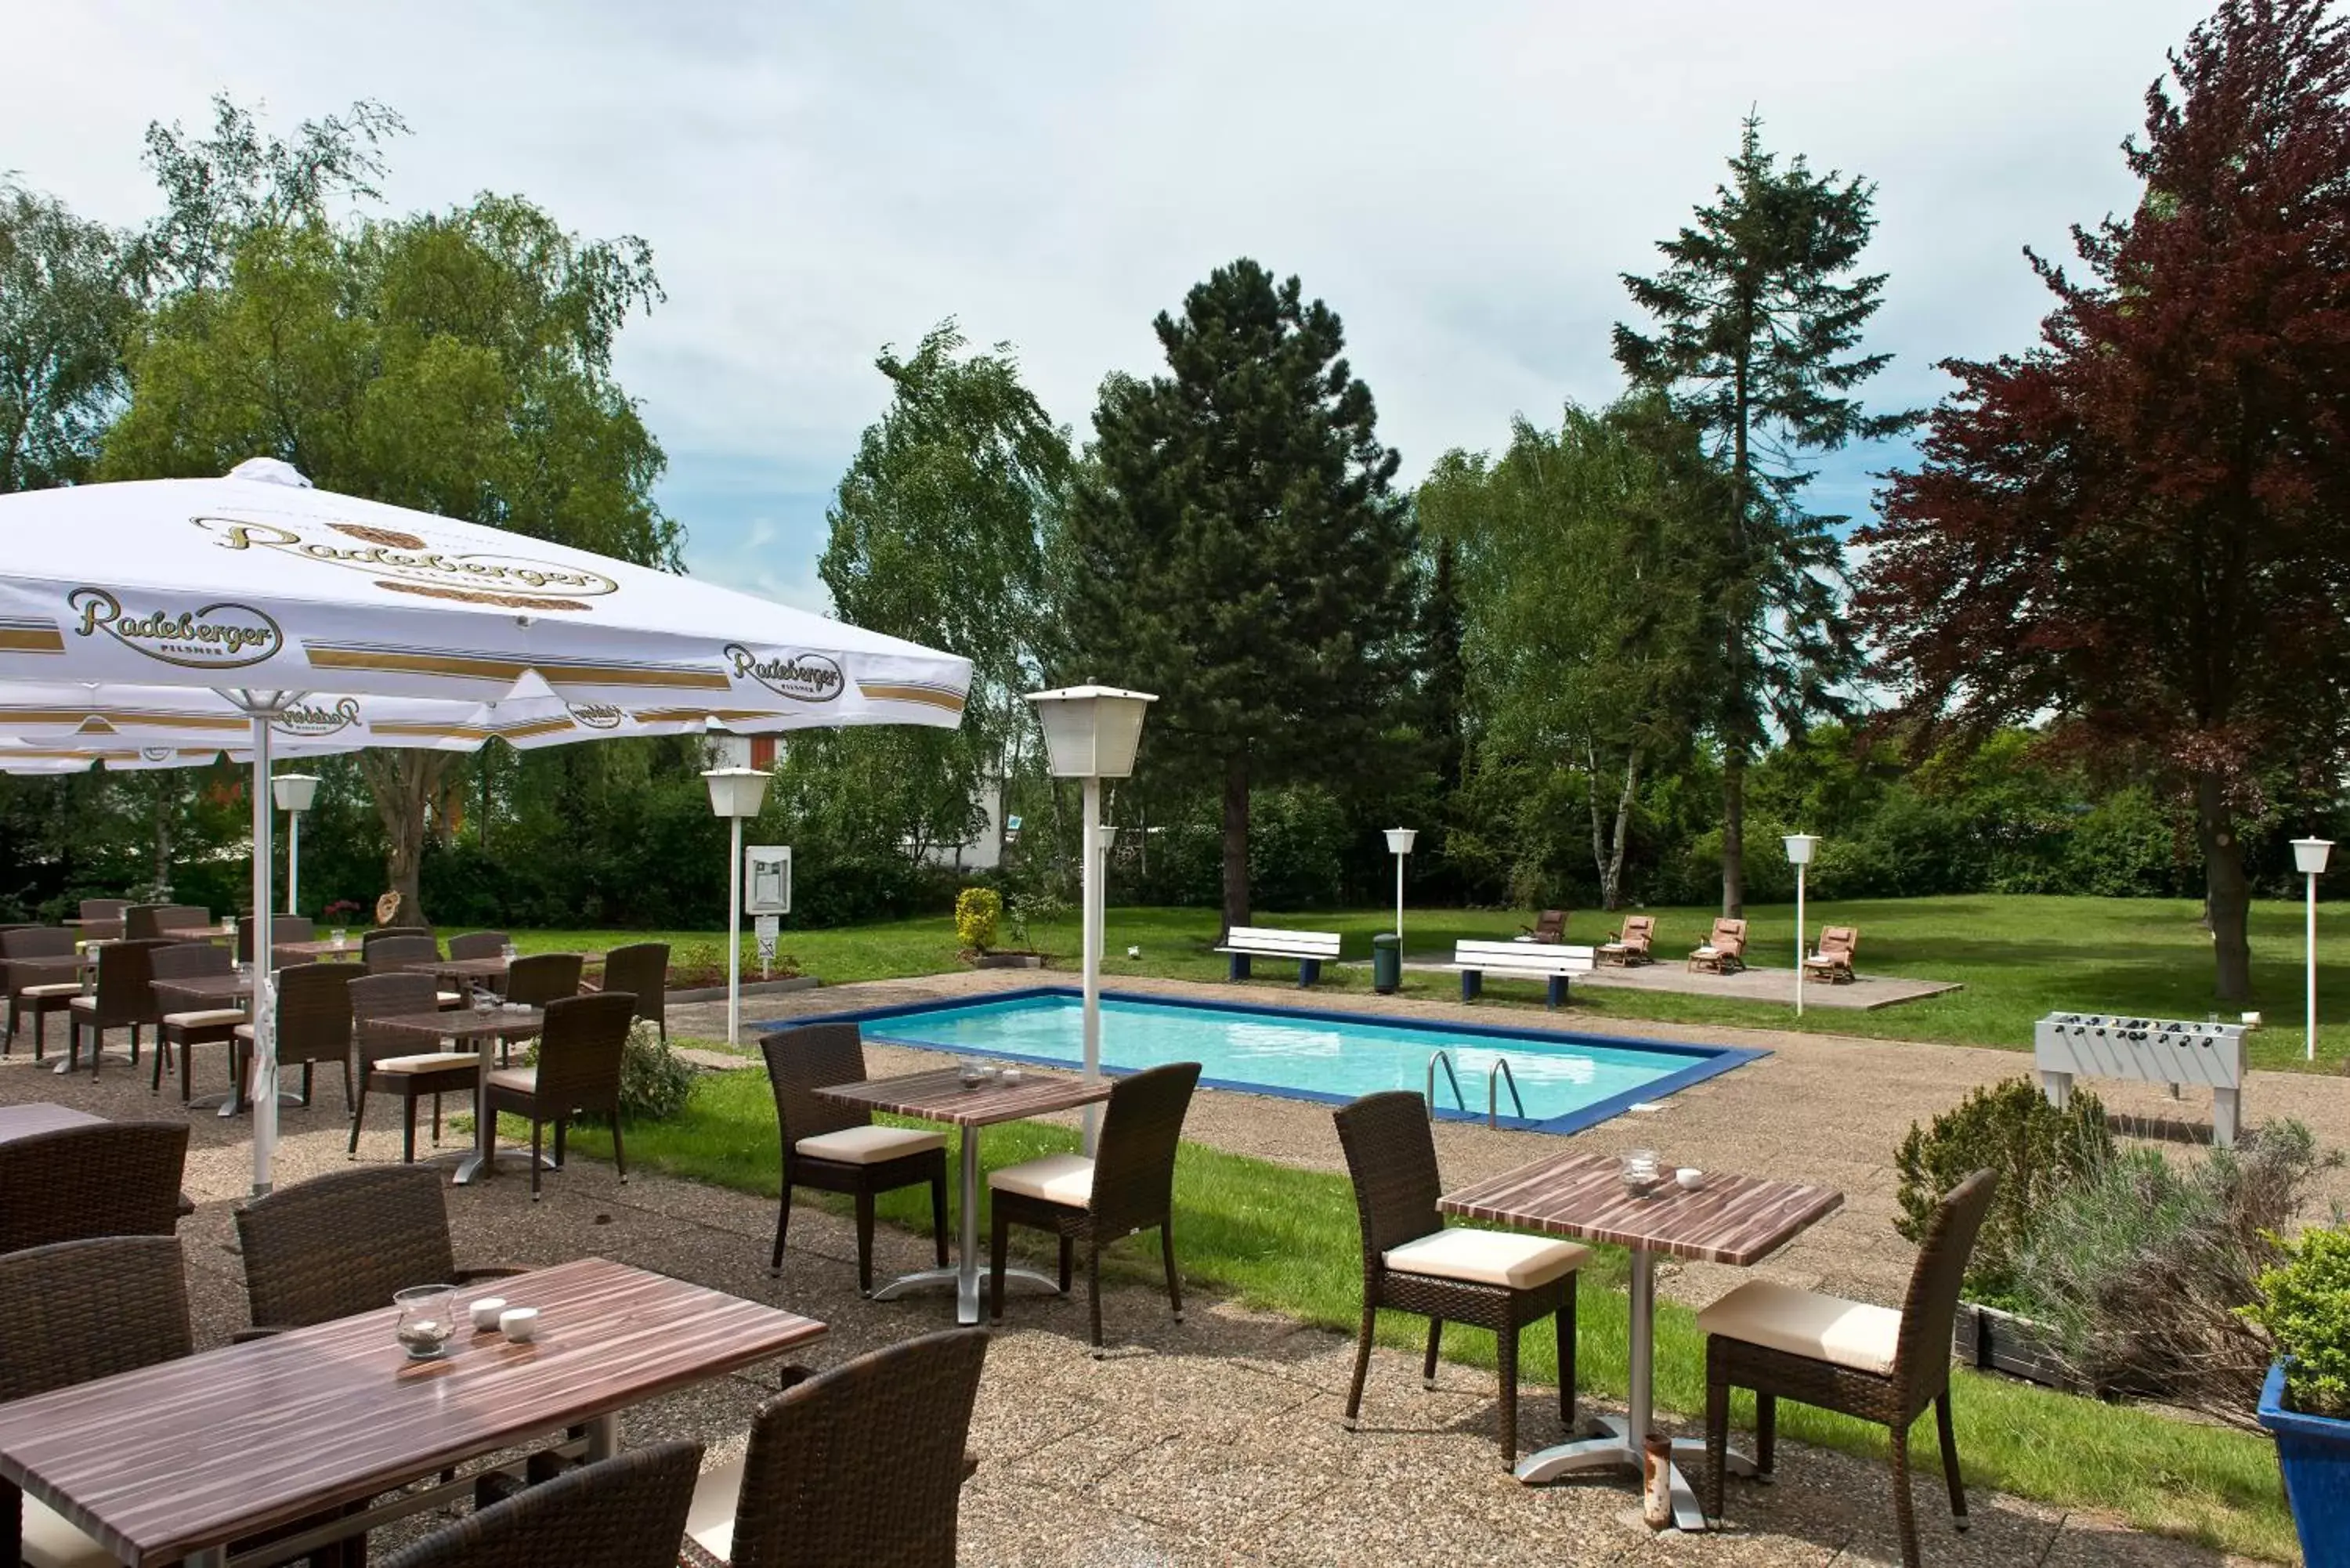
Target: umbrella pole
262	1093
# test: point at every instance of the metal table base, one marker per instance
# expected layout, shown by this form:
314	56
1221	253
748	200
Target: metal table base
1626	1436
964	1275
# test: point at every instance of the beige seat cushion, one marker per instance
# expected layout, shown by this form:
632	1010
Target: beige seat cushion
52	988
710	1520
1064	1179
869	1144
1505	1258
205	1018
51	1542
522	1080
428	1061
83	1004
1705	953
245	1032
1803	1323
449	998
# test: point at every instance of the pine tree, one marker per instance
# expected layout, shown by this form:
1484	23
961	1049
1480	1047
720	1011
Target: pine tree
1757	325
1236	546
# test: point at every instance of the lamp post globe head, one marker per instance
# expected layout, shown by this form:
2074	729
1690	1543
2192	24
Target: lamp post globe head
736	791
1800	846
1399	839
294	792
1091	732
2310	856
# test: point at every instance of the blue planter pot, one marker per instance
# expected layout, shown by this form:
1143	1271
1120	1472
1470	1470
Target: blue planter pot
2313	1451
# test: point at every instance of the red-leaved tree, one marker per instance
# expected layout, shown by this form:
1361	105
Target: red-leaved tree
2141	527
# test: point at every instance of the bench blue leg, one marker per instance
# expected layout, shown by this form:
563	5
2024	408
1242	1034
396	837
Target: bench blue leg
1557	990
1308	971
1239	967
1472	983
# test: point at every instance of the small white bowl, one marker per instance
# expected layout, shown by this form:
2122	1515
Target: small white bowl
519	1324
1010	1075
1690	1177
485	1314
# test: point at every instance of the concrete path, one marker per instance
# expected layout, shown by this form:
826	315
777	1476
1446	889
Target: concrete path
1217	1441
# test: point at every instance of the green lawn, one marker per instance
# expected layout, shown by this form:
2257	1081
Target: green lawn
2018	956
1286	1241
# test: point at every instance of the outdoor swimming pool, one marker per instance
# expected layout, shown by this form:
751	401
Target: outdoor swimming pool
1568	1082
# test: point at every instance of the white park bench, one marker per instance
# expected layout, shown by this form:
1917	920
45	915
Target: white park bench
1531	960
1311	950
2170	1051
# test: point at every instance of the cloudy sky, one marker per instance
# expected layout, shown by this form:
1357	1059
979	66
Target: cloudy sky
1463	183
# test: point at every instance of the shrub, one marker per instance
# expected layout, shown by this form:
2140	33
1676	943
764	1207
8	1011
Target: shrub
978	912
655	1081
2142	1274
2040	1153
2305	1305
1031	910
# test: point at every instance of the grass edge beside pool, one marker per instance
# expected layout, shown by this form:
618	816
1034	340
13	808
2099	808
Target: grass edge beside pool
1282	1239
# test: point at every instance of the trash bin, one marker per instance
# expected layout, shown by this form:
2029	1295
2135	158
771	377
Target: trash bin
1387	963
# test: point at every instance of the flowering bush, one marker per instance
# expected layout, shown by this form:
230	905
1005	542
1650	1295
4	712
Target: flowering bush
978	912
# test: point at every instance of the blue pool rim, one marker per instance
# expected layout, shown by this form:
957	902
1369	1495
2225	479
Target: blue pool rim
1706	1061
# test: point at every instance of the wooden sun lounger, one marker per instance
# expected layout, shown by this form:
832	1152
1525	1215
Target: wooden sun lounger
1631	944
1724	951
1833	960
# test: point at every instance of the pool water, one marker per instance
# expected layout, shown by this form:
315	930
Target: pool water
1567	1080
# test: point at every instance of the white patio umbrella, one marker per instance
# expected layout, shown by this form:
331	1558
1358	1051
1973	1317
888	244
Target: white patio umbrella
264	591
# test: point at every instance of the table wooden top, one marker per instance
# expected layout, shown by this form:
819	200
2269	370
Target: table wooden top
206	988
464	1023
24	1121
1736	1219
157	1463
938	1095
324	948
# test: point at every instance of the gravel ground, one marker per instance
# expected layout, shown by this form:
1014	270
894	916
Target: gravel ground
1217	1441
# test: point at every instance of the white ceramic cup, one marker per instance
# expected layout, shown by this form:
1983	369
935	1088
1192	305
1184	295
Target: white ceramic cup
486	1310
1689	1177
519	1324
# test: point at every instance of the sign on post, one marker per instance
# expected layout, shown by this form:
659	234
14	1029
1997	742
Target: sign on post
767	885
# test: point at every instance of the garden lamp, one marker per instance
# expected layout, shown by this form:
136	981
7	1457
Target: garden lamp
735	794
293	792
1800	846
2309	858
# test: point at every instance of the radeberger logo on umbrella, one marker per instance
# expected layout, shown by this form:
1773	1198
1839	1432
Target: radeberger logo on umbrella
223	636
405	563
810	677
595	715
311	720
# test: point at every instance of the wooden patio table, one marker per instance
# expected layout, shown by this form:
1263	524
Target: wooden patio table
938	1094
201	991
480	1029
1734	1220
492	969
173	1462
324	948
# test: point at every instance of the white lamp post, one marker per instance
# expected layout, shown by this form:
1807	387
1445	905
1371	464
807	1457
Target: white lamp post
1091	733
2309	857
294	791
735	794
1799	855
1400	845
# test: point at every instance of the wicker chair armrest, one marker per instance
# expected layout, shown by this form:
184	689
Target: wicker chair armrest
792	1377
468	1276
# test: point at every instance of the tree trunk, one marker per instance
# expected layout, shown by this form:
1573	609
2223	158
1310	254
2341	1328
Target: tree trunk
1606	850
1733	831
404	783
1236	847
167	803
2227	896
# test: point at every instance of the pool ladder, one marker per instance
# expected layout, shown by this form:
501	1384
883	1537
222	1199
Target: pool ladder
1493	1078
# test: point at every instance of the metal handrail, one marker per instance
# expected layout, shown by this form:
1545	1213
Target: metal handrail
1459	1099
1493	1076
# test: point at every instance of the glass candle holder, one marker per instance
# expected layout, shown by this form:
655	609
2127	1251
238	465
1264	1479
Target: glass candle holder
428	1320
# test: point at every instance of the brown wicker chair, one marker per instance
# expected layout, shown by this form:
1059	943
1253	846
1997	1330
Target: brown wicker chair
124	996
837	1148
1127	1187
642	969
579	1070
479	945
184	1028
1411	1263
1724	951
44	976
102	910
282	929
314	1025
76	1312
863	1464
391	1062
537	979
1867	1362
627	1511
368	938
345	1243
108	1179
1631	945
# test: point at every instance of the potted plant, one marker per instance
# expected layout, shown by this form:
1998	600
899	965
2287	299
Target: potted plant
2305	1305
